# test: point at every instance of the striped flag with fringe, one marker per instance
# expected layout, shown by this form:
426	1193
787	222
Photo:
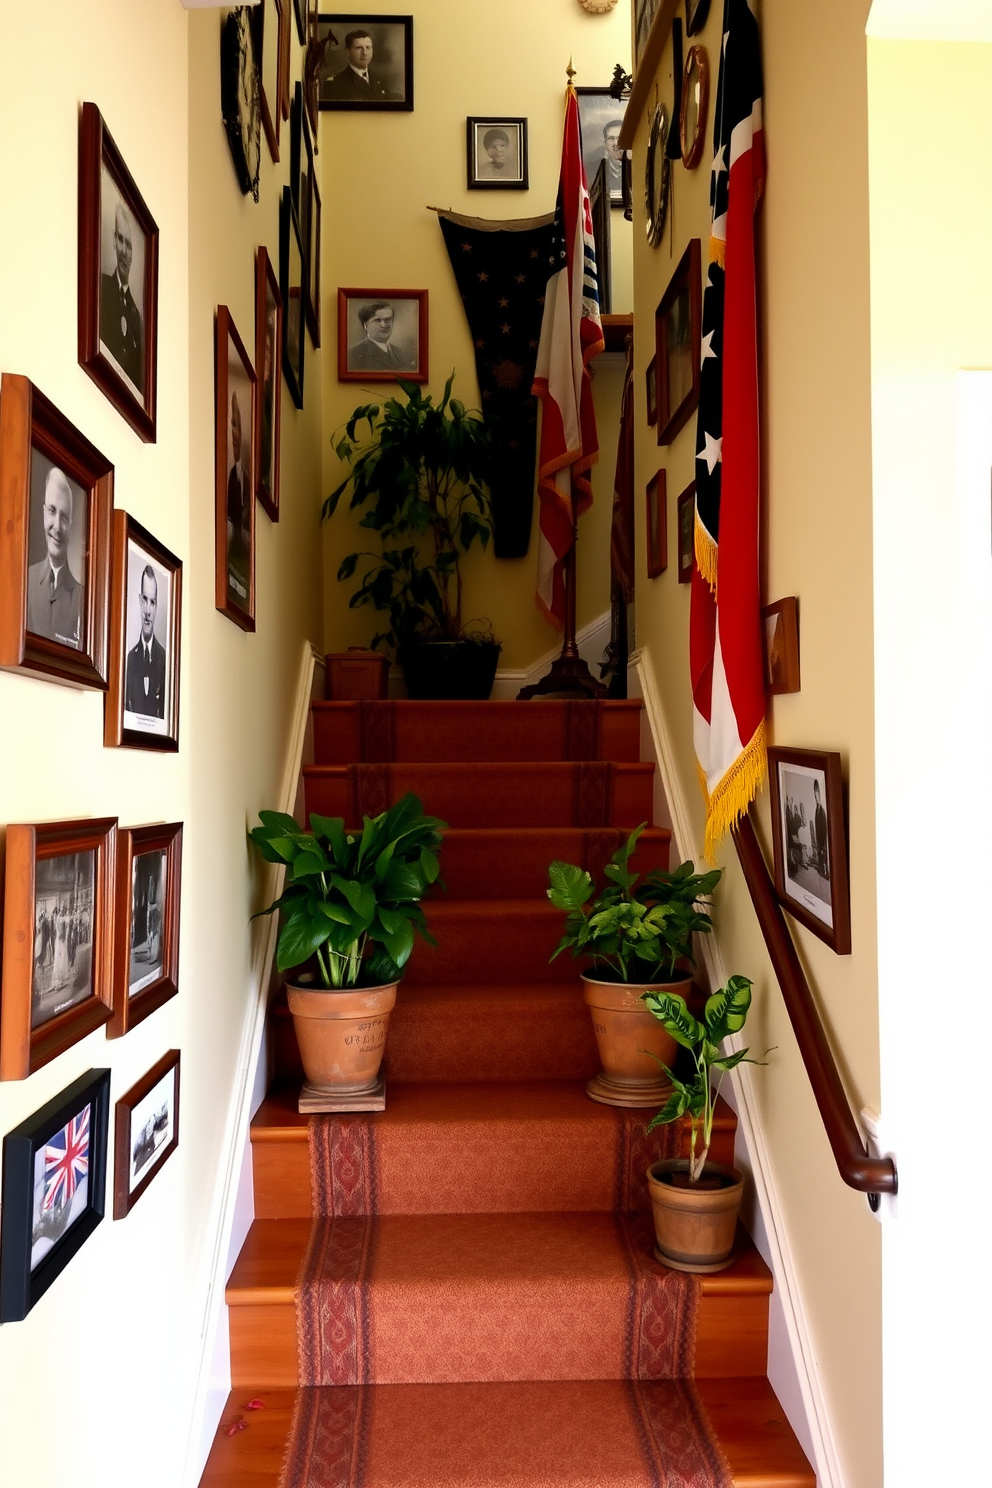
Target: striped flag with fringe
725	643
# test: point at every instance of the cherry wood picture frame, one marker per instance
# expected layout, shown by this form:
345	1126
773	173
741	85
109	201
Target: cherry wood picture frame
651	390
678	335
130	1009
268	391
27	1043
117	733
229	346
656	515
30	422
818	899
268	39
125	1197
98	153
780	627
686	532
349	373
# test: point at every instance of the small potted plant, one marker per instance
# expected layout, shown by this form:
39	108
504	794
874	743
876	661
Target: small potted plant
694	1201
351	903
420	475
637	942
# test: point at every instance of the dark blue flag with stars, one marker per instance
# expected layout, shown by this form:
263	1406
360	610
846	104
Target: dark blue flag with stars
501	269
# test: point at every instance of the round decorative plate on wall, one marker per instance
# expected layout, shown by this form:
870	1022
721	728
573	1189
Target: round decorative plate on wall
239	99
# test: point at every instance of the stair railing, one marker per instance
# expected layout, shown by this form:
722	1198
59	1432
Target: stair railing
870	1175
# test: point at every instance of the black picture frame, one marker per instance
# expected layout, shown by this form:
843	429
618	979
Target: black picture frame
312	246
22	1283
297	125
292	287
811	871
390	79
511	153
601	116
696	12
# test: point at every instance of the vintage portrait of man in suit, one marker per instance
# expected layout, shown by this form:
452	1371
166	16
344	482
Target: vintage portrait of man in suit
381	344
122	285
367	65
358	82
146	663
56	546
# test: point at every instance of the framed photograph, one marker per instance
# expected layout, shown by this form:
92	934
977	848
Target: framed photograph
696	12
313	259
780	622
118	278
146	1131
602	236
657	524
285	41
268	403
56	500
686	512
58	939
382	335
300	13
369	64
677	337
298	124
267	22
651	390
496	154
54	1190
644	14
141	709
234	574
146	922
810	838
291	287
600	121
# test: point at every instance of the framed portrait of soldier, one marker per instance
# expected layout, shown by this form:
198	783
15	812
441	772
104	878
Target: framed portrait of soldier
56	500
141	710
268	403
382	335
57	944
496	154
118	278
146	922
367	62
600	121
146	1120
234	573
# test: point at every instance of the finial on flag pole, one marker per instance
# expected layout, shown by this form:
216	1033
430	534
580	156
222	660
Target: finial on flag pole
570	70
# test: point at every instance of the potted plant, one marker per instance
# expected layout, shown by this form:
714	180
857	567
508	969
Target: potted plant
636	942
351	904
420	475
695	1202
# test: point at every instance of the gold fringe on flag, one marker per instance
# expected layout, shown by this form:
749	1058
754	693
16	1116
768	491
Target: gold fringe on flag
735	792
718	252
706	553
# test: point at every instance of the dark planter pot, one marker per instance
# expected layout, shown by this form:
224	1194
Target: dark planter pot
450	669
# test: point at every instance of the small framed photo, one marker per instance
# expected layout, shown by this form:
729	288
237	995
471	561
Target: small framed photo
146	923
141	709
268	403
686	513
292	268
781	626
234	574
56	500
146	1131
810	839
382	335
54	1190
368	63
651	390
118	278
600	120
497	154
657	525
696	12
57	944
677	335
267	21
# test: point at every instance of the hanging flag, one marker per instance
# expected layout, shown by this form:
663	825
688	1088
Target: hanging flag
501	271
571	335
67	1162
725	614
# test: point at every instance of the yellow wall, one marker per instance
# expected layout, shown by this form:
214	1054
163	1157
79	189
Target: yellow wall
379	174
818	546
116	1340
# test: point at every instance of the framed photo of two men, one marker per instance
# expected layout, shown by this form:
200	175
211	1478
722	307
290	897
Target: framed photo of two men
118	278
367	62
142	704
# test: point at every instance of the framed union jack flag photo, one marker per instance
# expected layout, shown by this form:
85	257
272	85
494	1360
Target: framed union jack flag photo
54	1189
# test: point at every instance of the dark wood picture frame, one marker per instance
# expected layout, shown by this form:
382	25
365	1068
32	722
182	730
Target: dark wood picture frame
117	733
300	13
685	532
125	1197
285	44
25	1043
656	514
313	258
801	849
268	42
651	390
292	279
477	129
678	328
780	635
227	576
298	123
348	373
268	391
136	402
30	422
130	1008
340	25
696	12
85	1107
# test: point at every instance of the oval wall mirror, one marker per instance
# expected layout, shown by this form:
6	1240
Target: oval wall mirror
695	102
656	176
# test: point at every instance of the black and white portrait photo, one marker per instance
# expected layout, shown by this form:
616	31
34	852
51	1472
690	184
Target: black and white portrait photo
148	888
147	631
58	522
368	62
497	153
122	281
240	486
382	336
601	119
62	972
152	1127
806	841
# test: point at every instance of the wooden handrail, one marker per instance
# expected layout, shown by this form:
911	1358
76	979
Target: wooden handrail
870	1175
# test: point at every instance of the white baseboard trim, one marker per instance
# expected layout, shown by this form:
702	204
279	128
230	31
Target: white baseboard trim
816	1430
235	1207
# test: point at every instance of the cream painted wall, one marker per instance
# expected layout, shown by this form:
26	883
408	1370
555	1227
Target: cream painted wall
380	172
116	1341
817	545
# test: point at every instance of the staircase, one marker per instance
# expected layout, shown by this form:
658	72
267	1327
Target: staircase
490	1314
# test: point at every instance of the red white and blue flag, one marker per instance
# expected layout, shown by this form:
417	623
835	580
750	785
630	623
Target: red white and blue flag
67	1161
725	644
571	335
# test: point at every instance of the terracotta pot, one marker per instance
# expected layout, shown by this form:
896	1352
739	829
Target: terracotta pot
341	1034
356	675
624	1029
694	1226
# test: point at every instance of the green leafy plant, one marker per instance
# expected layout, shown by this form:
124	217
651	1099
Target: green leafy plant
638	937
419	470
725	1013
352	899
